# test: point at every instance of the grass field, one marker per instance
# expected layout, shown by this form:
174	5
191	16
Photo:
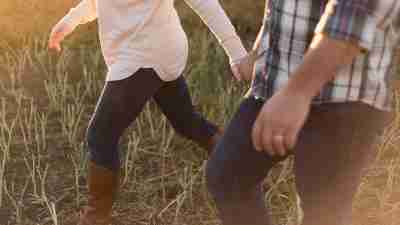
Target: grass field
46	101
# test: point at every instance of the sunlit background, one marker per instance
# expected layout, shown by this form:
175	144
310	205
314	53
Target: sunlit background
22	17
19	17
46	101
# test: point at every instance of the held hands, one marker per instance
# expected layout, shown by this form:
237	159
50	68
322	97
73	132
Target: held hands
242	69
278	125
58	34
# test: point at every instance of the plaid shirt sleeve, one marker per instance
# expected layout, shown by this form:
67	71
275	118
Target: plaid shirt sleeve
389	18
355	21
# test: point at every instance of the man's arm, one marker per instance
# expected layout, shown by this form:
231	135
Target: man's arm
346	29
276	129
321	63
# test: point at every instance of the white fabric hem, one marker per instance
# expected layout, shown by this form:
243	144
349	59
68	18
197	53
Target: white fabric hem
116	75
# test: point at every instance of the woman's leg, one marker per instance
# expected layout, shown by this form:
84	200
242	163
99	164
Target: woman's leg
175	102
119	105
236	170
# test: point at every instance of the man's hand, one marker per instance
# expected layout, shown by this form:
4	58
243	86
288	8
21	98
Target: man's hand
58	34
279	122
283	116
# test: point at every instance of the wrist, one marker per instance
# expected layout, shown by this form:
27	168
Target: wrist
238	61
69	22
234	49
300	91
309	80
72	19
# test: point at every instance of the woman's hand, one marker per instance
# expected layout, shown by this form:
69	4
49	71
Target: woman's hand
58	34
243	69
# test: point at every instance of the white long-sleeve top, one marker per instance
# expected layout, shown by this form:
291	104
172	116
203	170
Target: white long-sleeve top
138	34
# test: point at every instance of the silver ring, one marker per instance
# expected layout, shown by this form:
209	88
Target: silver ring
279	137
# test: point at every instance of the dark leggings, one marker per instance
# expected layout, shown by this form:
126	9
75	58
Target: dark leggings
334	147
122	101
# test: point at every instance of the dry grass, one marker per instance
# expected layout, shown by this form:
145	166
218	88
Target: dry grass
45	104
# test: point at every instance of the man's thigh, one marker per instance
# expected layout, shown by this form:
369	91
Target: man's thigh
334	147
236	165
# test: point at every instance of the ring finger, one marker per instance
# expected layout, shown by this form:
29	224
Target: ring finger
278	143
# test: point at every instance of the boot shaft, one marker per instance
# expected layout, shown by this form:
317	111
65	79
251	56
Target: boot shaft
103	187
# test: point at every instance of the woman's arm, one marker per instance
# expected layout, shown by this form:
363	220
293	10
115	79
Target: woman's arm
218	22
83	13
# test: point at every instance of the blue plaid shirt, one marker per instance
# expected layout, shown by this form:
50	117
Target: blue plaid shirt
290	25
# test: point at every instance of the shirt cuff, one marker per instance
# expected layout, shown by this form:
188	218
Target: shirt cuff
73	19
234	48
343	21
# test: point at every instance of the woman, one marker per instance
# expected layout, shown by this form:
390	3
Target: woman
145	49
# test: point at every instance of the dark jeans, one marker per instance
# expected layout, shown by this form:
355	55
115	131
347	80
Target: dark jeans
122	101
334	147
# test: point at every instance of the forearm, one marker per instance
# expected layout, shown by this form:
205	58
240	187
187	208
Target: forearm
323	60
218	22
257	42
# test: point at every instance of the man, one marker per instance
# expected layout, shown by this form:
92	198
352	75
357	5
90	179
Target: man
321	92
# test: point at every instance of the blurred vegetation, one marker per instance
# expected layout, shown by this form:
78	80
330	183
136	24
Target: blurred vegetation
20	18
46	101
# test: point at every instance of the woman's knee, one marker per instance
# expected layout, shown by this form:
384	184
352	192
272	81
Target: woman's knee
101	148
92	138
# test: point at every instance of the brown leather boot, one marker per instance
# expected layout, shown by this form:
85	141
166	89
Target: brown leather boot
103	184
210	143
